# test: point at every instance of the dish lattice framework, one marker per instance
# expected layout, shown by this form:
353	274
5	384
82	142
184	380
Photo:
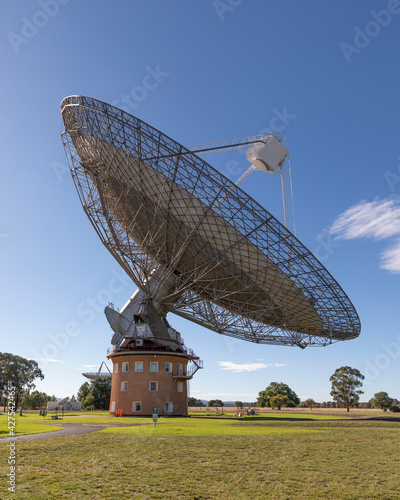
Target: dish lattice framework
220	259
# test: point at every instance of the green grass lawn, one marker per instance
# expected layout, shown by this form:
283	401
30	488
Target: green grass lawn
26	424
280	456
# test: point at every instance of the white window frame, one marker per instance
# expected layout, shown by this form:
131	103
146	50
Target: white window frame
154	363
122	385
125	364
134	410
115	367
153	382
137	363
169	364
180	386
165	406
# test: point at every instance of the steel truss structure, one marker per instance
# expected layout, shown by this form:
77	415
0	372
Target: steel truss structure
193	241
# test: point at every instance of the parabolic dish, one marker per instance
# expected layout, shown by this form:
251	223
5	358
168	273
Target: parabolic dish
195	242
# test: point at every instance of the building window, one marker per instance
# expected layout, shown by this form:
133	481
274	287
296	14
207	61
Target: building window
153	386
154	366
179	369
124	386
138	366
137	406
168	406
116	368
180	386
125	367
168	367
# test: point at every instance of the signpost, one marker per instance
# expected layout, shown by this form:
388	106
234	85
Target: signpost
155	415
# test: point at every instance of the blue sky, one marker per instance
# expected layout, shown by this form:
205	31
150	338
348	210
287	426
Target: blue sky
328	72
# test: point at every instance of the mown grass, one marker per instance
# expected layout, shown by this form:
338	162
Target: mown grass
205	427
274	456
22	423
25	424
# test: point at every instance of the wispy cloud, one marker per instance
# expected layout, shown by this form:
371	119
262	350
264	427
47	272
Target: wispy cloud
246	367
390	259
378	220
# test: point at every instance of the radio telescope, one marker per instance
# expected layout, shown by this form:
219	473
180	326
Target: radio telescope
194	243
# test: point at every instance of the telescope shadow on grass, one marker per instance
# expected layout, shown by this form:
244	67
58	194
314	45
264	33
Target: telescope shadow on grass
384	419
260	419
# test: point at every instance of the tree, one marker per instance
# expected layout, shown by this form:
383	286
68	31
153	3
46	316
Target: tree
88	402
215	402
309	403
238	404
278	401
73	399
346	383
35	400
83	392
274	389
381	400
96	394
18	373
195	402
101	390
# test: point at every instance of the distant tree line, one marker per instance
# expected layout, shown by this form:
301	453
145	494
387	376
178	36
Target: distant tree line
345	391
36	400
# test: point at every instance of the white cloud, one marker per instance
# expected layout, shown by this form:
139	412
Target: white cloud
378	219
391	259
90	366
245	367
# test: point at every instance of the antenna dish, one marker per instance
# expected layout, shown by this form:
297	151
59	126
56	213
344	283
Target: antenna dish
193	242
102	375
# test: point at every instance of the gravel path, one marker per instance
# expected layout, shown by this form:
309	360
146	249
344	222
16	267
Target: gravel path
70	430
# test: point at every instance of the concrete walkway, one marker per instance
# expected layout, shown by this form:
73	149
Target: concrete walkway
69	430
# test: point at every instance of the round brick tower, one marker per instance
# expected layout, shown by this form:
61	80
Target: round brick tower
144	378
